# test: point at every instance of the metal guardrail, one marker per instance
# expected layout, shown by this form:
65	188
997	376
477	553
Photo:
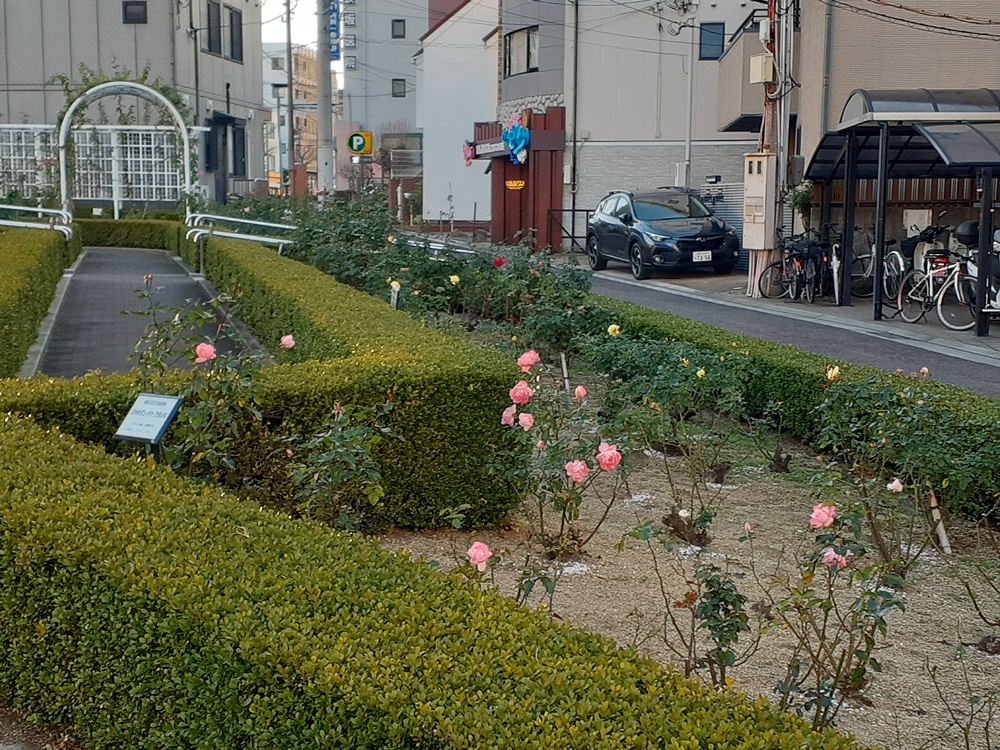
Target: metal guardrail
435	246
198	232
59	220
196	220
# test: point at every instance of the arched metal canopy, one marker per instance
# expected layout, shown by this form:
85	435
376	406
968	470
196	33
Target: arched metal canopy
932	133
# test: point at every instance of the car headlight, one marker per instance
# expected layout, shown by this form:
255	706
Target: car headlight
658	237
731	233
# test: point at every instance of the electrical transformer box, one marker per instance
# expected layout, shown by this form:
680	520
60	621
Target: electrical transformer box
758	201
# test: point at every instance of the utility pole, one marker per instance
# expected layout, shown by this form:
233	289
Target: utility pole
324	110
291	95
771	88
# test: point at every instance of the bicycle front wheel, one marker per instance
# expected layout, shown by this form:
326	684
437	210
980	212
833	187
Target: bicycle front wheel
956	304
773	281
894	270
862	280
913	301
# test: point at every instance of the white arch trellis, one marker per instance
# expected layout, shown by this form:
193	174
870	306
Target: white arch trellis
113	88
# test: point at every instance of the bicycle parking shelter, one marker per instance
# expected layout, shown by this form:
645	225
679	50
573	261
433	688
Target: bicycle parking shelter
911	133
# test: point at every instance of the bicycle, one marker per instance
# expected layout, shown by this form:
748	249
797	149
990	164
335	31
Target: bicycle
899	262
945	287
783	277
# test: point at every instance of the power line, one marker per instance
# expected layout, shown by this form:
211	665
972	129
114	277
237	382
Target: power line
937	14
909	23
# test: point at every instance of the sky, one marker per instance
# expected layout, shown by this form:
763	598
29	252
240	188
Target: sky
303	21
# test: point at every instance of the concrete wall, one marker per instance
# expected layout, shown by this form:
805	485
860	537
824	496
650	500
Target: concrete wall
453	96
368	96
874	53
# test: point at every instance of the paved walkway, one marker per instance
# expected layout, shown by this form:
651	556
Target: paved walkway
87	328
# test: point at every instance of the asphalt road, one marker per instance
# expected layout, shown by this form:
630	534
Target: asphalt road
839	337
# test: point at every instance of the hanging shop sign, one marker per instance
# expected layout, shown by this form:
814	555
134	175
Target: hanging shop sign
514	184
489	148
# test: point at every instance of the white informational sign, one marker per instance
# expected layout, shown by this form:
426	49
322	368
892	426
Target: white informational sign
148	419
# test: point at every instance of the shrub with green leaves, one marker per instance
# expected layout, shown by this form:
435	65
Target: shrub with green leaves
33	263
353	349
147	611
149	233
792	383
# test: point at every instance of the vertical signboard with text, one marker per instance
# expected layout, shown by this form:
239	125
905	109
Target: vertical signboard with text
334	25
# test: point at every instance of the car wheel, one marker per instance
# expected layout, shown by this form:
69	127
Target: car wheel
639	268
597	263
724	268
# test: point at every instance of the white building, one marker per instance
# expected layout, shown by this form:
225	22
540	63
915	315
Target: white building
207	50
454	89
378	41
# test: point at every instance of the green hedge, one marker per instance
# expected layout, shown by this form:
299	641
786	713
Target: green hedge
795	378
166	235
447	394
149	612
33	262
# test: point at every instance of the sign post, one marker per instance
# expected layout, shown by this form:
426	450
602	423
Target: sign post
360	142
148	419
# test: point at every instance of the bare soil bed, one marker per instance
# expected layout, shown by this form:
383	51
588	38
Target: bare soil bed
619	594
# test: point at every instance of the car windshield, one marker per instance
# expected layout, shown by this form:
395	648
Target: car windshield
670	206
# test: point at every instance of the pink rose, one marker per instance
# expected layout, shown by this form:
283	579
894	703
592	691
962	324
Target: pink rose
822	516
205	352
608	456
832	559
288	341
541	444
747	527
577	470
507	417
479	555
521	393
528	360
895	485
580	392
526	421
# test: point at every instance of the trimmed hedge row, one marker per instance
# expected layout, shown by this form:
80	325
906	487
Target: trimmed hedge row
447	394
795	378
151	233
33	262
151	612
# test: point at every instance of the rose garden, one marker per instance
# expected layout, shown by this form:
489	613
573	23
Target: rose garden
508	513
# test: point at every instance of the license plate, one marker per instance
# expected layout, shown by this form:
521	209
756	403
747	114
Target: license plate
701	256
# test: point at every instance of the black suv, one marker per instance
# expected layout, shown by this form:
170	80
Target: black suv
659	229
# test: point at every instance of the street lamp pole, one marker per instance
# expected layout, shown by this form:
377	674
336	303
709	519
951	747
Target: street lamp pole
291	91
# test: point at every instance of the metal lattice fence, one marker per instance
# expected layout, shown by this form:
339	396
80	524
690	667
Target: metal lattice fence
111	163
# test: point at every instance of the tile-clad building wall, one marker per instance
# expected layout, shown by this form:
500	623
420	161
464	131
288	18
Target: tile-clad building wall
606	166
873	53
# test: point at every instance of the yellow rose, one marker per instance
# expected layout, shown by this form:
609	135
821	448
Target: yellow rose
614	330
700	373
454	280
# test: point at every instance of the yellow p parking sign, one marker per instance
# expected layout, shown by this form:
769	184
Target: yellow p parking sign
360	142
